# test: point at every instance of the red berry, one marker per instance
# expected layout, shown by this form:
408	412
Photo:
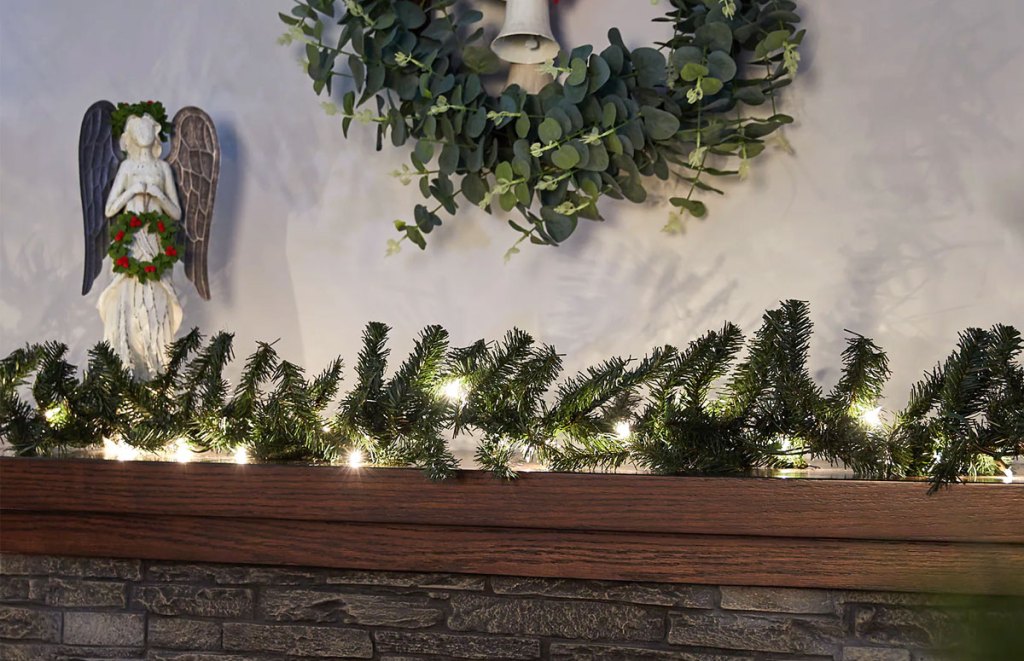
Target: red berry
170	251
150	268
160	226
119	236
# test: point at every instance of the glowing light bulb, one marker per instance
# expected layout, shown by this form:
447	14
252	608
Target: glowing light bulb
355	458
182	452
119	450
622	430
52	413
872	417
1007	475
455	390
241	455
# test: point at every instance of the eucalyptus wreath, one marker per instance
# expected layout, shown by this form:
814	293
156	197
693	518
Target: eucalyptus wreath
688	109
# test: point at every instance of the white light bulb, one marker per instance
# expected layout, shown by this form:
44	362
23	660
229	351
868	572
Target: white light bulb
118	450
355	458
51	413
1007	475
241	455
455	390
182	452
622	430
872	417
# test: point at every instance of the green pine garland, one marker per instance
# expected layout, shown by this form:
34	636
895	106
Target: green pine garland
697	410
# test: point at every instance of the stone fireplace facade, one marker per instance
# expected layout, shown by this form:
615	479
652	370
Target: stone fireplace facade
98	608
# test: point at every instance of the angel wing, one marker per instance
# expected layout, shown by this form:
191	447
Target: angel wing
98	158
195	159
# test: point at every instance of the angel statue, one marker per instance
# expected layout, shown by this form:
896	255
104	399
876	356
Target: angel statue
146	214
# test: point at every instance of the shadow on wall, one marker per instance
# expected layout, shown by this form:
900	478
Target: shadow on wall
64	314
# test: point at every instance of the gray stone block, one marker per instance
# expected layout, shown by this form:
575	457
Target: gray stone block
27	652
408	580
178	633
194	600
298	640
14	588
230	574
289	605
79	593
47	565
589	652
875	654
456	646
912	627
777	600
759	633
163	655
30	652
682	596
29	624
587	620
104	628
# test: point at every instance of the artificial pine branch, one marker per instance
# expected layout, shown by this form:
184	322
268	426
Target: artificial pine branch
965	417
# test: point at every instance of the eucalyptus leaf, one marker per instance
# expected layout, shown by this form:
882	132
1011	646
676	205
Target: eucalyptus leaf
660	124
549	130
566	157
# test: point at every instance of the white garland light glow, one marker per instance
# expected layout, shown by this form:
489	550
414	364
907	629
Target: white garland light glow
355	458
872	417
119	450
241	455
182	452
455	390
622	430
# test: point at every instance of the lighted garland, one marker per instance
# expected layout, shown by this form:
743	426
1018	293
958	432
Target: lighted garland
122	231
702	409
682	110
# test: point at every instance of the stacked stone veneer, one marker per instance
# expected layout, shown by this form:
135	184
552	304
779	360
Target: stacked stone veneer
78	608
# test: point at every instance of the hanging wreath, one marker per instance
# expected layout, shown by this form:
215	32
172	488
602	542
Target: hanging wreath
689	109
122	231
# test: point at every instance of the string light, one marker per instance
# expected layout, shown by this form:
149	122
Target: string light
1007	475
52	413
622	430
182	452
872	417
119	450
241	455
355	458
455	390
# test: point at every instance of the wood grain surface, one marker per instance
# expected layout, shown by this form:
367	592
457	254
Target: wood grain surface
799	533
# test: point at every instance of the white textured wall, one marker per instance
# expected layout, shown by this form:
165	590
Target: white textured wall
901	215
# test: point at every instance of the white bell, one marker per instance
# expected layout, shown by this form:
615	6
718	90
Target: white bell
526	36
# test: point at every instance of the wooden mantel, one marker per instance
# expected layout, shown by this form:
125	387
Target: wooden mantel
725	531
